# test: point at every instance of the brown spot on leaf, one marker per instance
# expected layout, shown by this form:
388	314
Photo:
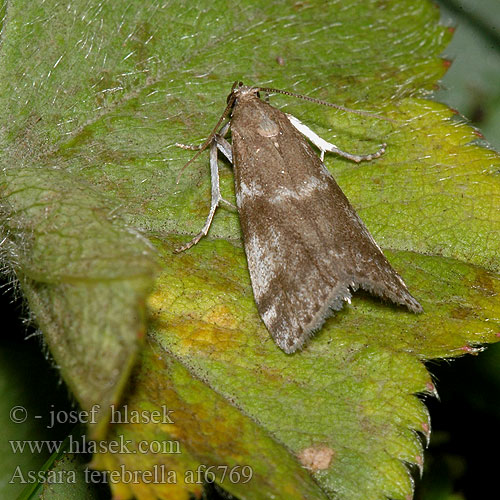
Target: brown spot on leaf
484	283
316	458
461	312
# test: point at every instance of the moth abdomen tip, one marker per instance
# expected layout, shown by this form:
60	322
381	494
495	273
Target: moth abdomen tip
415	307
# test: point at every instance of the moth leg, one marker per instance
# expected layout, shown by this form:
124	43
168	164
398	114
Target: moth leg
225	148
325	146
215	199
224	130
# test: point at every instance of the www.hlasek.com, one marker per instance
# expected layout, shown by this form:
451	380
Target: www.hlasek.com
158	474
81	444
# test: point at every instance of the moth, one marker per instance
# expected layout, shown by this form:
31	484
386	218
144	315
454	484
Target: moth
307	249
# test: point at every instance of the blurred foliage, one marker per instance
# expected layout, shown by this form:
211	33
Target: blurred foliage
471	84
466	419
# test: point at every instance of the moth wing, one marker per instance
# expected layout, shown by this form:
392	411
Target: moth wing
305	245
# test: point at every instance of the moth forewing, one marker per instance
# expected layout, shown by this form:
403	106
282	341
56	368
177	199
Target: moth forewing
306	247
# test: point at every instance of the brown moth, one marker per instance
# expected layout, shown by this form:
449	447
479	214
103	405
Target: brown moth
306	247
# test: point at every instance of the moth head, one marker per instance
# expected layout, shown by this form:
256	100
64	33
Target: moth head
239	90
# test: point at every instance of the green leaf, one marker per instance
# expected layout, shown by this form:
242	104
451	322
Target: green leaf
94	98
85	291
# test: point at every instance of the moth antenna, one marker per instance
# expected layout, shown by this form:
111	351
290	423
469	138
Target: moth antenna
326	103
209	139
